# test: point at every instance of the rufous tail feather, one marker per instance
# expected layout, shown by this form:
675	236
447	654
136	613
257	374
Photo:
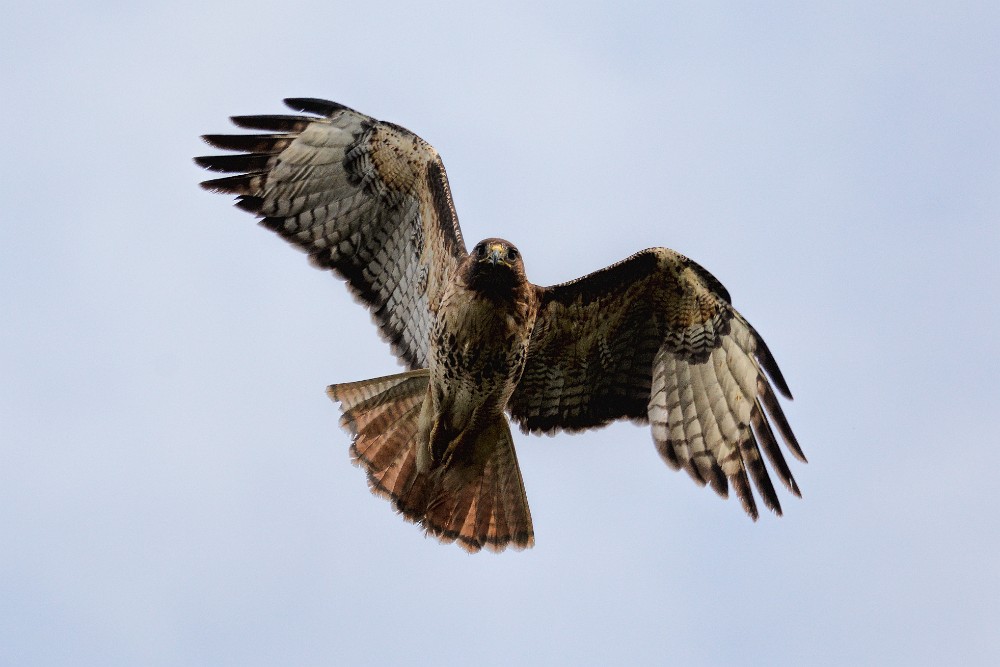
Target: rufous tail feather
476	498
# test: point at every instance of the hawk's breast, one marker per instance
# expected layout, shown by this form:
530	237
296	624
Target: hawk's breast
478	349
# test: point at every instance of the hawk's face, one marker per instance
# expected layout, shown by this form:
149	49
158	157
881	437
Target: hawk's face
494	265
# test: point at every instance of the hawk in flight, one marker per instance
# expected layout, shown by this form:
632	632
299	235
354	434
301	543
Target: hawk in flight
652	339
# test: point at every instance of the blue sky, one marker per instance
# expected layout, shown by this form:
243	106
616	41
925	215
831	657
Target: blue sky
175	490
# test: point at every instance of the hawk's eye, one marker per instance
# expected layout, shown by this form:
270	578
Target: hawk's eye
481	250
512	254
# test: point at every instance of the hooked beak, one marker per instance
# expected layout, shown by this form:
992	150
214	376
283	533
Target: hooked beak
496	254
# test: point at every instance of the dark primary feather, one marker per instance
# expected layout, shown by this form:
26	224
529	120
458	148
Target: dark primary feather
776	414
272	144
236	185
229	164
272	123
765	436
315	105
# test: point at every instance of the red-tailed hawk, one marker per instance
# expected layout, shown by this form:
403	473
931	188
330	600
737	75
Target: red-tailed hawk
653	338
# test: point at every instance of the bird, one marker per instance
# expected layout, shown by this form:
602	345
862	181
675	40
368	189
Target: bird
653	339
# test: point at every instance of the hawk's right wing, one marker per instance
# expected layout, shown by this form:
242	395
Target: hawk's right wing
367	199
655	339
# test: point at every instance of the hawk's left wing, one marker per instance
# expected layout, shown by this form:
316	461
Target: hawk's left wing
655	339
368	199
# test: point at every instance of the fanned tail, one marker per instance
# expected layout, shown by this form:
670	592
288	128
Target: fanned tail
475	498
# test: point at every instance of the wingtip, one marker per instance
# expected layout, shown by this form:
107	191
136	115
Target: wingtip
773	371
205	162
315	105
272	122
215	185
234	185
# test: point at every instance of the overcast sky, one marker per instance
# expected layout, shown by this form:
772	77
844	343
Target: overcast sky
175	490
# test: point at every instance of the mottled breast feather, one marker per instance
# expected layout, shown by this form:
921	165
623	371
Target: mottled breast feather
655	339
368	199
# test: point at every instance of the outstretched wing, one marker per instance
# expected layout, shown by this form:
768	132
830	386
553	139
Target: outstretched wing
655	339
367	199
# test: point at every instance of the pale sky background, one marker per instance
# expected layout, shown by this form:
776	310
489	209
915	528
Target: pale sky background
175	490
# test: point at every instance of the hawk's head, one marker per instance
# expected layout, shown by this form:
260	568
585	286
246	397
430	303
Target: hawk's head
494	265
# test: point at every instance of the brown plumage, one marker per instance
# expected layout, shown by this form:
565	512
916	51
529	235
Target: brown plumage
653	338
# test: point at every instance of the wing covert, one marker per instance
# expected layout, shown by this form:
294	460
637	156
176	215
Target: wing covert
654	339
367	199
